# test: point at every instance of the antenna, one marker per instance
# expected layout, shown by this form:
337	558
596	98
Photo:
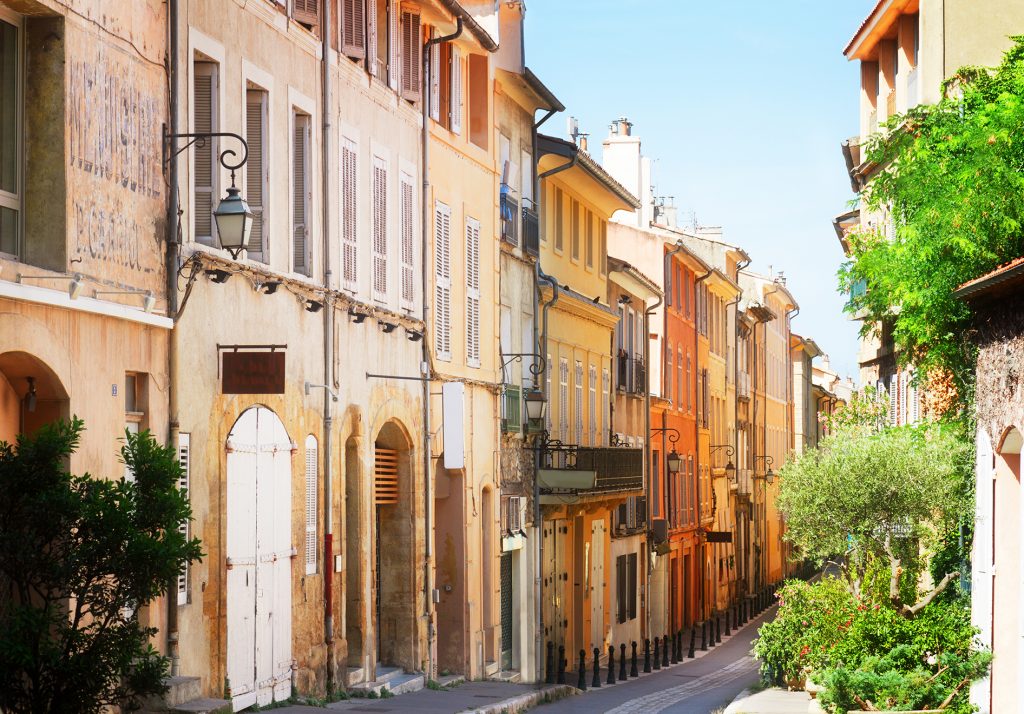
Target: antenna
573	127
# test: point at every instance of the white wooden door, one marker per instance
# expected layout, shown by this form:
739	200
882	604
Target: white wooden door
597	588
259	559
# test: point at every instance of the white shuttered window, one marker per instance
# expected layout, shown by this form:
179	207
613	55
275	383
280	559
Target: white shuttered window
394	61
349	216
380	229
578	407
300	195
407	210
312	464
442	282
455	94
184	460
592	405
435	79
563	398
472	292
205	120
606	406
256	170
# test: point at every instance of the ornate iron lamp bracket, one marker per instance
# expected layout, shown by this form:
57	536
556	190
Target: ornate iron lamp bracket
170	150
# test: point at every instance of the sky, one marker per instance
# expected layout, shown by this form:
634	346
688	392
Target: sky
742	105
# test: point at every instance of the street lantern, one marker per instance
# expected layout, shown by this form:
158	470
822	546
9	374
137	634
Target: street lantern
234	222
730	469
536	402
769	476
674	461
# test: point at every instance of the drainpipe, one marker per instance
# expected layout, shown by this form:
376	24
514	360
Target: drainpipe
764	446
734	303
171	265
790	394
736	392
704	407
425	369
328	453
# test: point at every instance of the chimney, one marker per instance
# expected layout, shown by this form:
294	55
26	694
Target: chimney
583	141
780	278
621	158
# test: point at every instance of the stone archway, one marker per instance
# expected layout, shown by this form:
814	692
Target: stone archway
31	395
1007	568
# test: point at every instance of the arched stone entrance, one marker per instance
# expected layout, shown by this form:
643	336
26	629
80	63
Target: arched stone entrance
31	395
259	559
1007	511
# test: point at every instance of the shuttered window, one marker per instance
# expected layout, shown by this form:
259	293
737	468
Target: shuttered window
559	220
472	292
349	216
563	398
631	585
578	406
621	589
353	28
396	64
385	477
606	406
679	380
184	461
312	464
255	170
380	229
373	60
442	282
411	56
592	405
455	92
307	12
407	241
205	120
300	194
548	394
435	79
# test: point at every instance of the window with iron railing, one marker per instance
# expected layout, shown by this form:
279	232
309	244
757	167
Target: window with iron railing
509	206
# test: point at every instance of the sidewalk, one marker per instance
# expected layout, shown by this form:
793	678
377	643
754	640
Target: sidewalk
770	701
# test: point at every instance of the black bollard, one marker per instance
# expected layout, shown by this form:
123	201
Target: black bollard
728	629
743	610
581	673
622	662
611	664
711	632
718	627
596	681
632	663
549	669
704	636
647	655
561	664
657	654
673	658
691	653
679	646
664	651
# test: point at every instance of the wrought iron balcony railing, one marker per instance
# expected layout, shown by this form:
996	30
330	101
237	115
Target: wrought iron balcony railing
614	469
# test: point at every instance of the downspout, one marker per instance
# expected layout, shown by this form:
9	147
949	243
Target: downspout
171	271
328	453
425	368
764	444
735	413
790	395
736	399
704	408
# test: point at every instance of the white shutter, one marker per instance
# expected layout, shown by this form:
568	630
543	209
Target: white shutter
606	406
204	121
578	407
312	464
435	79
395	64
592	410
563	398
349	216
442	282
455	94
472	292
371	37
528	347
353	28
548	393
380	229
406	248
411	56
255	177
184	460
300	190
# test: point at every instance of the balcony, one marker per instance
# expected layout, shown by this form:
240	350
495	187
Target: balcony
509	215
531	228
582	470
631	374
511	409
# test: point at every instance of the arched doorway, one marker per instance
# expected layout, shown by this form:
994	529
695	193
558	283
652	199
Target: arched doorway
1007	505
30	395
395	594
259	557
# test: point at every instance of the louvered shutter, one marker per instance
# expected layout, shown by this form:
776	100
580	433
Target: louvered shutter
578	406
442	282
606	406
254	170
380	229
563	398
204	121
300	190
411	60
385	477
184	461
349	217
435	79
396	65
620	586
548	393
372	60
592	406
353	28
407	241
631	586
472	292
307	12
312	464
455	94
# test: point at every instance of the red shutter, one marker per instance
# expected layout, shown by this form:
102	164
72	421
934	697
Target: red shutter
353	28
411	59
307	12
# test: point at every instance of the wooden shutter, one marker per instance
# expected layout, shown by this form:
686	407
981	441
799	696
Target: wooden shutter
411	60
371	37
435	79
578	406
455	93
407	241
255	180
312	464
349	217
472	292
442	282
592	406
300	190
353	28
184	461
563	398
606	406
548	393
204	120
621	589
307	12
396	64
631	585
380	229
385	477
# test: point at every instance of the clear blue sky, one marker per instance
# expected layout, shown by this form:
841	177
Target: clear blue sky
742	104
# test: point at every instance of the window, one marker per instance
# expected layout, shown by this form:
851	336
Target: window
668	371
563	398
685	280
312	464
602	249
205	119
184	461
380	229
574	230
134	409
255	169
435	72
578	407
406	208
300	194
442	282
606	406
10	136
349	216
479	82
353	28
592	406
626	586
689	383
377	28
395	66
472	292
655	477
679	380
455	91
548	393
410	80
306	12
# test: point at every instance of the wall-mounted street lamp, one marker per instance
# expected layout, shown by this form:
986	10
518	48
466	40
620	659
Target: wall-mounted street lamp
74	287
769	475
674	461
148	299
536	405
233	216
730	467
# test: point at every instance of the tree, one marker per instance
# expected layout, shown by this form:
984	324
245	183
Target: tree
952	178
883	499
79	556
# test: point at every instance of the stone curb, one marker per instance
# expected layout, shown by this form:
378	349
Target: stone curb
527	701
733	707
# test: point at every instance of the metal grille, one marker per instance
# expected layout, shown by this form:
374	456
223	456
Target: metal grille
506	603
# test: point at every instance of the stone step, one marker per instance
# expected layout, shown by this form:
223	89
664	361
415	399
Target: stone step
406	683
203	706
507	675
354	676
386	674
179	690
491	668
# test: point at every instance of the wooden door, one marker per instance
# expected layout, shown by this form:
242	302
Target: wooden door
597	584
